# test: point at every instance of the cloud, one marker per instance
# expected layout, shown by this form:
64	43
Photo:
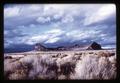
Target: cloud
101	14
35	39
11	12
59	23
13	33
7	43
5	32
53	40
43	19
58	15
51	9
108	46
51	36
35	7
81	35
108	40
67	19
53	31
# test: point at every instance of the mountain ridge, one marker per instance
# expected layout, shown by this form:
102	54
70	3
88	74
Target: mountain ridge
93	46
25	48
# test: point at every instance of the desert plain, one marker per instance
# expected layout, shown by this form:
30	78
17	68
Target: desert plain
61	65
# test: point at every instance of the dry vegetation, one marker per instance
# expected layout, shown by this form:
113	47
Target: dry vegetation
99	64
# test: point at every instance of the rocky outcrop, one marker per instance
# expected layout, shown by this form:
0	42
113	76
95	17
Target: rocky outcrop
39	47
94	46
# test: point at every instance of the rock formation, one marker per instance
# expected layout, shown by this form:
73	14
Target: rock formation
39	47
94	46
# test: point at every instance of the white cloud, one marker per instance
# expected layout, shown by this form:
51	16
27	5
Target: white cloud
65	12
67	19
42	13
80	35
51	36
43	19
58	15
11	11
31	11
6	32
35	7
103	35
57	24
54	8
102	13
54	31
108	46
36	39
53	40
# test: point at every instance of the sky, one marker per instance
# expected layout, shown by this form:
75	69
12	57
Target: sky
59	24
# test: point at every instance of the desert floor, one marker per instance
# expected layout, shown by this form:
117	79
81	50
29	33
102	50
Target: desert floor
60	65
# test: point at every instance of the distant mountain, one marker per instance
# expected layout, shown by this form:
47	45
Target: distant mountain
93	46
19	48
42	47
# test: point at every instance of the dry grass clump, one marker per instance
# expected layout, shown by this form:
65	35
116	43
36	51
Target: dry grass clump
105	54
66	66
112	54
93	67
78	53
11	70
7	57
91	52
19	74
62	77
67	69
112	59
85	67
41	67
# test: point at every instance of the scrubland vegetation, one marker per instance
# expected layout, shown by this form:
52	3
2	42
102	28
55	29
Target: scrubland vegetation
69	65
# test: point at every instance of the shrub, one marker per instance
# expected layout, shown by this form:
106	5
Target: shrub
93	67
12	68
